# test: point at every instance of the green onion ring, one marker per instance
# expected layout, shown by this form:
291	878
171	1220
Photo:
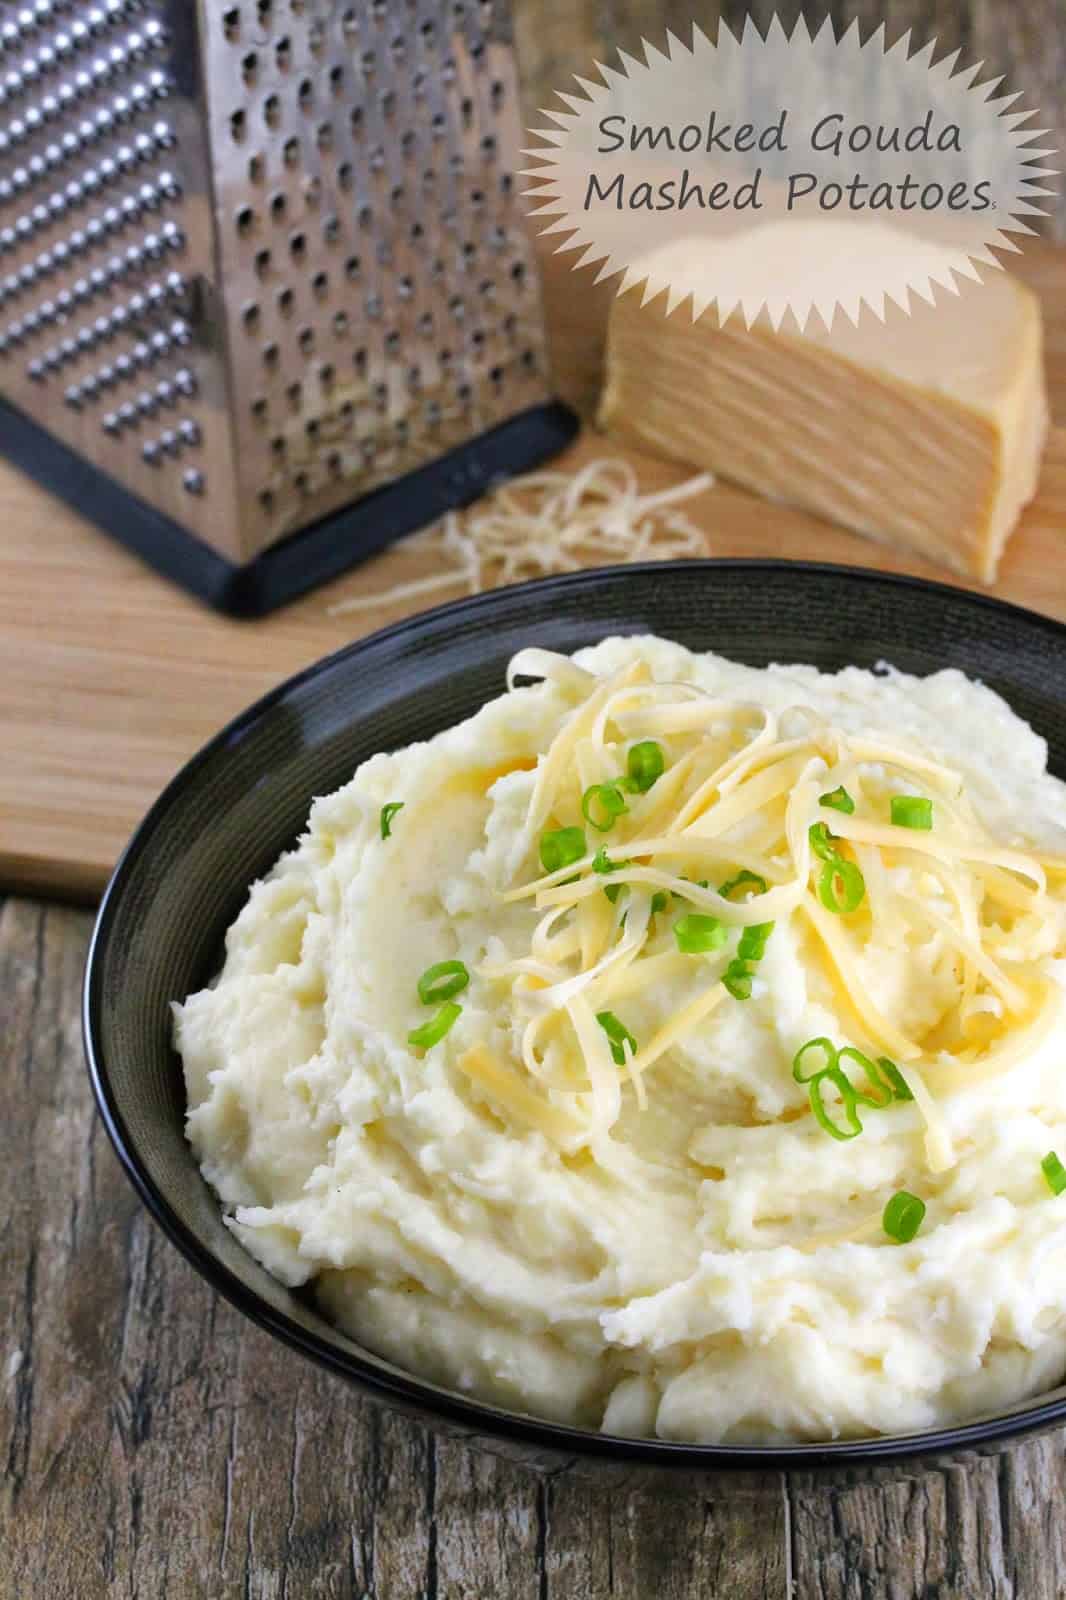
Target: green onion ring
442	982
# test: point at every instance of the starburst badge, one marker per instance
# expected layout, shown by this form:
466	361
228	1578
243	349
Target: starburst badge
789	175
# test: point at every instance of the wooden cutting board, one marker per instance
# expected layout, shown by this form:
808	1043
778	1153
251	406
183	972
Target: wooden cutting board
110	678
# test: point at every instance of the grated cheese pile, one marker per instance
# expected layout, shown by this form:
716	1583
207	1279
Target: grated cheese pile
549	522
741	791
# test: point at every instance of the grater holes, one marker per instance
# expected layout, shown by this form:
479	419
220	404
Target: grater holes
256	167
290	152
278	447
278	206
341	324
359	361
250	317
271	357
353	268
312	188
349	24
286	300
231	23
336	79
305	93
306	340
238	126
298	246
335	463
250	67
294	394
244	221
259	409
320	285
346	176
283	53
262	263
327	375
266	500
324	136
272	110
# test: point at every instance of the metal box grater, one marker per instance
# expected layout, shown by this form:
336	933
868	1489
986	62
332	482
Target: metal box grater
263	275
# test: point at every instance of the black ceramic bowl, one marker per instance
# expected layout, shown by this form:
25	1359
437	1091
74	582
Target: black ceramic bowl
227	816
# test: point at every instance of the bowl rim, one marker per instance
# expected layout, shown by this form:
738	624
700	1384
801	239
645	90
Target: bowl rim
407	1391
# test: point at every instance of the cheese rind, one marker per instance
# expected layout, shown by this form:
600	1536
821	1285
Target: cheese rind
925	429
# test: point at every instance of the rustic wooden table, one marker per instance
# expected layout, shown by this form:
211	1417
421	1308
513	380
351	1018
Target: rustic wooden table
155	1444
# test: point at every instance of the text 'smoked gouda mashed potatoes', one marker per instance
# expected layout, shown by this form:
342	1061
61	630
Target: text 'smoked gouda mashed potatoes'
586	1168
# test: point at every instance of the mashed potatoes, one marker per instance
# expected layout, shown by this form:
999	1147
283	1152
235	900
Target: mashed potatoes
604	1195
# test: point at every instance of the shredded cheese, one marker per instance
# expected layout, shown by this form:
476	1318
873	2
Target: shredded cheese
548	522
742	791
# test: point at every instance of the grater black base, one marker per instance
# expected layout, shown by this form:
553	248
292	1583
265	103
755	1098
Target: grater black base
315	554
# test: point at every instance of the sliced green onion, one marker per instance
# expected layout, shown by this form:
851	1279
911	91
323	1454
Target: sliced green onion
838	800
644	764
1054	1172
737	979
609	799
827	1050
561	847
912	811
613	890
433	1031
743	877
659	901
752	946
895	1077
695	934
841	887
852	1126
387	814
601	862
818	1062
903	1216
442	981
884	1093
822	841
618	1034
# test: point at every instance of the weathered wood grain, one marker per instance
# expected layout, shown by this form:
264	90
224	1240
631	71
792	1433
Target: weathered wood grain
156	1446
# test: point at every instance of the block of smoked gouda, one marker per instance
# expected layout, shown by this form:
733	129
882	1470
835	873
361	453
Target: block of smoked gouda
924	430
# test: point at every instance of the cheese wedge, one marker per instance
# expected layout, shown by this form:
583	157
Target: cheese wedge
924	430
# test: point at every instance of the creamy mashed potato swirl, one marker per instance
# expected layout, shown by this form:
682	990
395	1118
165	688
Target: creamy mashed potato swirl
664	1240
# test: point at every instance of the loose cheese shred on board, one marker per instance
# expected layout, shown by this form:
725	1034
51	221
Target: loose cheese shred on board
733	807
549	522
